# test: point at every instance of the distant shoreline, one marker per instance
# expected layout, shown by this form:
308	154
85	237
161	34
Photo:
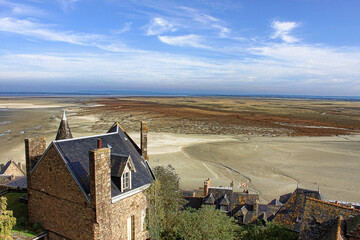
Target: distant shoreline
156	94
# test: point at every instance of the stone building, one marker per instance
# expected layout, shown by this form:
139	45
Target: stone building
243	206
12	176
89	187
309	214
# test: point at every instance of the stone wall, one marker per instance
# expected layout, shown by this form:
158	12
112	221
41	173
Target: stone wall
56	201
120	211
112	217
34	149
58	204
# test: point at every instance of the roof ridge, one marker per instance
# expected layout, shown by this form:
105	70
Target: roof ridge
332	204
72	139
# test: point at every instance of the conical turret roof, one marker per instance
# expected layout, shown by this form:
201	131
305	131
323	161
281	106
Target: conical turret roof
64	130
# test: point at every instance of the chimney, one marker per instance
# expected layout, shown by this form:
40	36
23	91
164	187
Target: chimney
232	184
20	165
206	187
99	143
1	166
34	149
144	131
256	206
100	180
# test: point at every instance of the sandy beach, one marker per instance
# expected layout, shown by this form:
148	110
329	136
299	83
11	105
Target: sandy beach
271	165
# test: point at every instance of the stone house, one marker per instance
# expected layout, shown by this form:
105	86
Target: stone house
243	206
88	187
12	176
309	214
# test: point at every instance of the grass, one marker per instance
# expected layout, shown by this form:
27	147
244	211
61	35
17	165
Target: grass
20	212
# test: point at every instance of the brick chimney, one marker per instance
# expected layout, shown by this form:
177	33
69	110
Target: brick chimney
100	180
34	149
144	131
206	187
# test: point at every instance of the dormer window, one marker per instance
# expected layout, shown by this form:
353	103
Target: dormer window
126	180
122	167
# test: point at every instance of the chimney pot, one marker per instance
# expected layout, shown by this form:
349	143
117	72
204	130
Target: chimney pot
99	143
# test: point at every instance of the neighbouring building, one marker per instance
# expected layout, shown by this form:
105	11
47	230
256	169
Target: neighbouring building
306	212
88	187
243	206
12	176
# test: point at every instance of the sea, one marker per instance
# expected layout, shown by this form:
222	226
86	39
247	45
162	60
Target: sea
164	94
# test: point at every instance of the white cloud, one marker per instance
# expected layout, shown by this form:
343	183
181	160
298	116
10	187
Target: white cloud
159	25
45	32
126	28
67	4
18	9
283	29
191	40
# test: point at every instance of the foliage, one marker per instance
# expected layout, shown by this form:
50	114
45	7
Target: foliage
164	201
7	220
205	223
271	231
167	220
20	212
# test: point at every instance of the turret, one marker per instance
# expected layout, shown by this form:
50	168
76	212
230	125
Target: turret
64	130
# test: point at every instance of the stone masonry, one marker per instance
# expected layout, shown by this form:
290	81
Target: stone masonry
144	132
60	206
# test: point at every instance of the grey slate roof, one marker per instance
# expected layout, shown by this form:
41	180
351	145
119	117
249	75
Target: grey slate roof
118	163
209	199
76	153
20	182
224	201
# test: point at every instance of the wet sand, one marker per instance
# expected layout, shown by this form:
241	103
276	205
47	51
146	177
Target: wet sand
270	165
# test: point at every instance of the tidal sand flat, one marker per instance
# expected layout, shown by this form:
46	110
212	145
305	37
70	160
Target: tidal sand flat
272	166
274	145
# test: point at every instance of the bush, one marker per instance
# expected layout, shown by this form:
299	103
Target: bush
7	221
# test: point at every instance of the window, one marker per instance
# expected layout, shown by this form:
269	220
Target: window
125	180
131	228
224	208
143	219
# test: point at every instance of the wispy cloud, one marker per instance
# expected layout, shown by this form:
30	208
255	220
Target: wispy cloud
19	9
126	28
283	29
46	32
67	4
158	26
190	40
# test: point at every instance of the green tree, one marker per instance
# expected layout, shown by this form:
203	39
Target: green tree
205	223
271	231
164	201
7	221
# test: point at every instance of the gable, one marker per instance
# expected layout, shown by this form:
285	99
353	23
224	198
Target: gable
11	168
52	176
75	153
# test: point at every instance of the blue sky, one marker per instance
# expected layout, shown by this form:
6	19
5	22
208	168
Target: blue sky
199	46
